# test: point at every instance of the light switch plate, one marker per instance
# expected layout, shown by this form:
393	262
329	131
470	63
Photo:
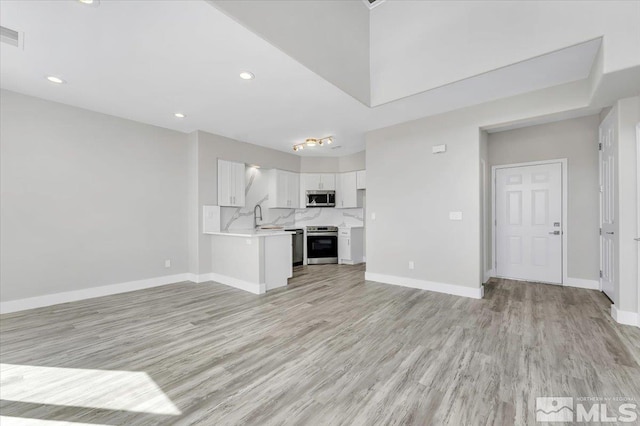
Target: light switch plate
373	216
455	215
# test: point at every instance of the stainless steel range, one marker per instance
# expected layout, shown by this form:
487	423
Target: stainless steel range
322	245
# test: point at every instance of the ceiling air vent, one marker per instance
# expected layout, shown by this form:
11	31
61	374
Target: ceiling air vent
372	3
9	36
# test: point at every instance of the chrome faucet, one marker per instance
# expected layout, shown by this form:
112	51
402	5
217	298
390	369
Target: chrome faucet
255	215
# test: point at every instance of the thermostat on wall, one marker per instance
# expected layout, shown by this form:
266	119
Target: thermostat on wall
437	149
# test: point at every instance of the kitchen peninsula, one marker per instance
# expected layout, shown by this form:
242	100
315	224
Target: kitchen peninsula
252	260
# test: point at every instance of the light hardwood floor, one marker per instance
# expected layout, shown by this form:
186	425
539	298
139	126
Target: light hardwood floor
333	349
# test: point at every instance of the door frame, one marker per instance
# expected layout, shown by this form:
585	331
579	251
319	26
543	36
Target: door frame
565	227
638	211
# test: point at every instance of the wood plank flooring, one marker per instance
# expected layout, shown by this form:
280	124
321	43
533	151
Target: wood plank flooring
332	349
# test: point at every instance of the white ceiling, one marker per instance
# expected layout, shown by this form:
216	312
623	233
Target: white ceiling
146	60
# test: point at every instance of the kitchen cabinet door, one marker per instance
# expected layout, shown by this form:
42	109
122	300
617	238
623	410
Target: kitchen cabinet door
344	249
312	181
293	190
328	181
239	171
284	190
231	178
346	191
350	245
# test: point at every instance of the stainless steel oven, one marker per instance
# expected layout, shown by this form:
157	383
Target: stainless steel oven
322	245
321	199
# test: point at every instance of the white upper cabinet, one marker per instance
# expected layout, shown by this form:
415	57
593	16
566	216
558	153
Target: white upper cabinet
231	183
318	181
284	189
361	179
347	194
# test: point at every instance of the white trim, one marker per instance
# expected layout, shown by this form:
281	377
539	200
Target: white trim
565	205
199	278
456	290
624	317
88	293
638	215
582	283
254	288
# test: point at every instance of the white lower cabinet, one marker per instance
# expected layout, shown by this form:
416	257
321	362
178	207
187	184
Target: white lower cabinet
350	245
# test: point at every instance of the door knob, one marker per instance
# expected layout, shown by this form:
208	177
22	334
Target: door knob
554	233
610	233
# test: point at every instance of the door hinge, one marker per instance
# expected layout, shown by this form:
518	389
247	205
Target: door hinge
600	231
600	274
600	146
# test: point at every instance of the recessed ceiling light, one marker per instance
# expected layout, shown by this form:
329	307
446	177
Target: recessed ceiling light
91	2
246	75
54	79
179	115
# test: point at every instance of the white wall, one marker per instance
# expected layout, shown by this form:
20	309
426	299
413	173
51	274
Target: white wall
87	199
353	162
626	211
346	163
483	36
576	140
319	164
412	191
318	34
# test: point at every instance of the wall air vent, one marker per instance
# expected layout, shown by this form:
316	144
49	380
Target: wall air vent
9	36
372	3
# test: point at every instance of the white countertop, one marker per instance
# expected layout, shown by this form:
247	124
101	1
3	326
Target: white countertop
350	227
249	233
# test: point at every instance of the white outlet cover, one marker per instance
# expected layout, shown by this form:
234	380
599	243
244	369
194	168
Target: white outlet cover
438	149
373	216
411	264
167	263
455	215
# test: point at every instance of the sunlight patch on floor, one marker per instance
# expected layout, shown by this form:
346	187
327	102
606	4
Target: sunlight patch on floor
77	387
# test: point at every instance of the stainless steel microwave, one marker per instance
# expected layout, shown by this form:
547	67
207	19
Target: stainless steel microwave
321	199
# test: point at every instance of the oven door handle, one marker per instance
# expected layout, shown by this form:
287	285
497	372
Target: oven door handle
322	234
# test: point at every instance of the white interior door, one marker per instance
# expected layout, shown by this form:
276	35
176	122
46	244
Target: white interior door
608	238
529	222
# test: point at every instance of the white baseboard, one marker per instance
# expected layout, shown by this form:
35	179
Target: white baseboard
582	283
237	283
199	278
88	293
487	275
624	317
456	290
